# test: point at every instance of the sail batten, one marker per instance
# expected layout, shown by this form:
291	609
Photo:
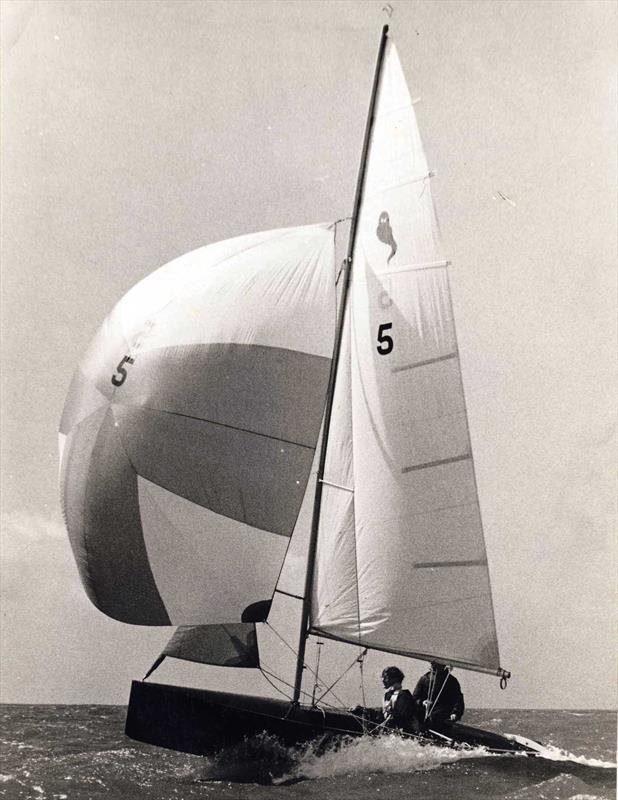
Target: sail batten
438	463
425	363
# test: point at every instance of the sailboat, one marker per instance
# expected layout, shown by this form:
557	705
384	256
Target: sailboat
251	374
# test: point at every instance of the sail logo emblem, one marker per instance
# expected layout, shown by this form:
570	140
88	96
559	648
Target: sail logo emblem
384	232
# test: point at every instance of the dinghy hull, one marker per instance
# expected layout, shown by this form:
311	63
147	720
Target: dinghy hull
202	722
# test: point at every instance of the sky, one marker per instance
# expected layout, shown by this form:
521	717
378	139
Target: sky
136	131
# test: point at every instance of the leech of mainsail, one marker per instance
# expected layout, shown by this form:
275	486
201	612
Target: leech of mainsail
399	435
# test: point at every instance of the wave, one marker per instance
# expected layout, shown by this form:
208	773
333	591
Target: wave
552	753
560	787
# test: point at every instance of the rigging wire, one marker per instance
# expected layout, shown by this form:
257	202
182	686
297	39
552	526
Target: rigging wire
305	665
276	632
308	668
266	673
345	672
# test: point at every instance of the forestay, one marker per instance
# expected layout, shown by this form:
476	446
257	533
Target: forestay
190	427
401	563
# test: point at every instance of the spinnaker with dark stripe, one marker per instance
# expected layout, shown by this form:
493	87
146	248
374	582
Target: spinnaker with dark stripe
190	428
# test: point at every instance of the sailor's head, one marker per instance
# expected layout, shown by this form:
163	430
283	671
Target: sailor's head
391	676
436	666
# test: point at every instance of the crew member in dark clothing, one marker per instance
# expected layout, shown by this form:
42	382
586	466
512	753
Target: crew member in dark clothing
398	708
439	694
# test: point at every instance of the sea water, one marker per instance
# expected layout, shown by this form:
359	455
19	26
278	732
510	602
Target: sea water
75	752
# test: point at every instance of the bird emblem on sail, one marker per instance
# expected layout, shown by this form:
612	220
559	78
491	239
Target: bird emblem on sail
384	232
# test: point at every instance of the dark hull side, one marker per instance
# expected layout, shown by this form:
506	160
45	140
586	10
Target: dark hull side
202	722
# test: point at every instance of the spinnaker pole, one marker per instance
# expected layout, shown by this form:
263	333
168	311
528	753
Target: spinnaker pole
360	184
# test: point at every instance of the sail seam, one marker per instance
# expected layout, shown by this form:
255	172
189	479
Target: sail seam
429	174
429	464
397	109
480	562
425	363
418	267
219	424
148	565
281	234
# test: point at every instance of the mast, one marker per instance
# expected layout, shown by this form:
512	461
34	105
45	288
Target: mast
360	183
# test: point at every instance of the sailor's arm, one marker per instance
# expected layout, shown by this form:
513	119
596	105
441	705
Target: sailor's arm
458	702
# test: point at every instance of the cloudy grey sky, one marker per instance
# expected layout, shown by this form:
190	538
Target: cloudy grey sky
136	131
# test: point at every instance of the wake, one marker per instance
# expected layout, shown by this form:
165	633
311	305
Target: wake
551	753
264	759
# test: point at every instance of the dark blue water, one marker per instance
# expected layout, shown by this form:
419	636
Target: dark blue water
75	752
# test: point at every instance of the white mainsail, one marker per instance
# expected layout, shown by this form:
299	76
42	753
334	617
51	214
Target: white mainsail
401	563
191	424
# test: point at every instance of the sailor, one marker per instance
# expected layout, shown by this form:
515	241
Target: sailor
398	708
438	692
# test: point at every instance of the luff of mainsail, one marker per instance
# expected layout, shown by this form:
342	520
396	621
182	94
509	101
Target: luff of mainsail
315	522
400	559
190	428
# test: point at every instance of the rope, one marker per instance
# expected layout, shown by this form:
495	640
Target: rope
337	221
429	694
316	684
341	268
361	661
429	710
